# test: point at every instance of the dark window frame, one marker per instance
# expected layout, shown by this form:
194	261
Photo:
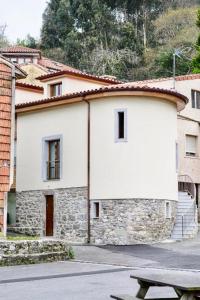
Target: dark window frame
53	166
53	91
195	98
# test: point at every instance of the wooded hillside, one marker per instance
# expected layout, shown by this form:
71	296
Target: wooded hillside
130	39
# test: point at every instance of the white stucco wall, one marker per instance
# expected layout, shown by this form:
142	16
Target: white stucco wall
187	165
184	87
70	85
70	122
24	96
142	167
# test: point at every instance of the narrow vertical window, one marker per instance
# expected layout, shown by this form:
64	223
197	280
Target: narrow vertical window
167	210
191	145
96	210
193	98
53	162
121	125
176	157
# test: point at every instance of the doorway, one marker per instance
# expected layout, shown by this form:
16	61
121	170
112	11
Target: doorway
49	215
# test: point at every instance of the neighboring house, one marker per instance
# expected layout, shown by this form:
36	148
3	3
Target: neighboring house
8	73
188	127
97	165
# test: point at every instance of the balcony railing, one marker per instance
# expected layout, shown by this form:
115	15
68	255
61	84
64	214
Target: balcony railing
53	169
185	184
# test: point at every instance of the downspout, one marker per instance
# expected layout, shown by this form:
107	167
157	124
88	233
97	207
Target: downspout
88	173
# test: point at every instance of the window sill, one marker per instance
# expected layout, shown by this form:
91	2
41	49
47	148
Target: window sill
193	157
48	180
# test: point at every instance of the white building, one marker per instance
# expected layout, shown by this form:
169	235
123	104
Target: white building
97	163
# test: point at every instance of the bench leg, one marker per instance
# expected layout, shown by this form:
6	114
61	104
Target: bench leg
187	296
142	290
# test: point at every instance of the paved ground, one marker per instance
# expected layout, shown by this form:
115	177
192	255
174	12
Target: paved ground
183	255
108	272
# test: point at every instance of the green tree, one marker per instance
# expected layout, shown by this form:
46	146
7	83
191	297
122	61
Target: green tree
196	59
29	42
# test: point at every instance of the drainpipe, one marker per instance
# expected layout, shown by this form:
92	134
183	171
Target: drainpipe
88	172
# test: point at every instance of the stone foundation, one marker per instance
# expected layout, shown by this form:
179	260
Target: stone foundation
70	213
130	221
121	222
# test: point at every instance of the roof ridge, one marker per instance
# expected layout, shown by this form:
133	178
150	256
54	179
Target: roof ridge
110	88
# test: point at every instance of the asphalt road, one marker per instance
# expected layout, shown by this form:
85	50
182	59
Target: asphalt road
97	272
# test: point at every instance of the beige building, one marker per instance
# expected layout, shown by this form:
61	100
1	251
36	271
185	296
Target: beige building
188	126
101	161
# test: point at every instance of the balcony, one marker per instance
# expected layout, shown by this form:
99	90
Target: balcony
53	169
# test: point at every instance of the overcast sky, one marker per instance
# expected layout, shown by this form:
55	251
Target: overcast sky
22	17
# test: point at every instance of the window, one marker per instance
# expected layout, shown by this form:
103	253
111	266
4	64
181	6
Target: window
167	210
191	145
51	158
14	59
96	210
195	95
53	162
56	89
21	60
176	157
120	125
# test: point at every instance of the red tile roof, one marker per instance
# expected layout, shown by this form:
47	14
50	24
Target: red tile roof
178	78
19	49
101	90
78	74
54	65
29	86
5	130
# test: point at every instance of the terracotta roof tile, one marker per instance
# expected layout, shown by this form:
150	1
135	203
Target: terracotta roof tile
19	49
178	78
110	88
29	85
78	74
54	65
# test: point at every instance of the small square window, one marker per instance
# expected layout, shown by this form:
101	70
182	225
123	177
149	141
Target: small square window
56	89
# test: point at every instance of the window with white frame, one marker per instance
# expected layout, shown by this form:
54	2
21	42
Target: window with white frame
121	125
167	210
52	157
191	145
195	96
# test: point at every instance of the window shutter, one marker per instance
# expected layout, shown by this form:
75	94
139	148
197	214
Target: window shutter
190	144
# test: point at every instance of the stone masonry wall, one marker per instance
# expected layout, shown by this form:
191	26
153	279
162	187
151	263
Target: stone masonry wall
70	213
122	222
129	221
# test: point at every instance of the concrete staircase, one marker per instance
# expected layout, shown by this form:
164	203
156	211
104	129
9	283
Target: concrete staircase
186	225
